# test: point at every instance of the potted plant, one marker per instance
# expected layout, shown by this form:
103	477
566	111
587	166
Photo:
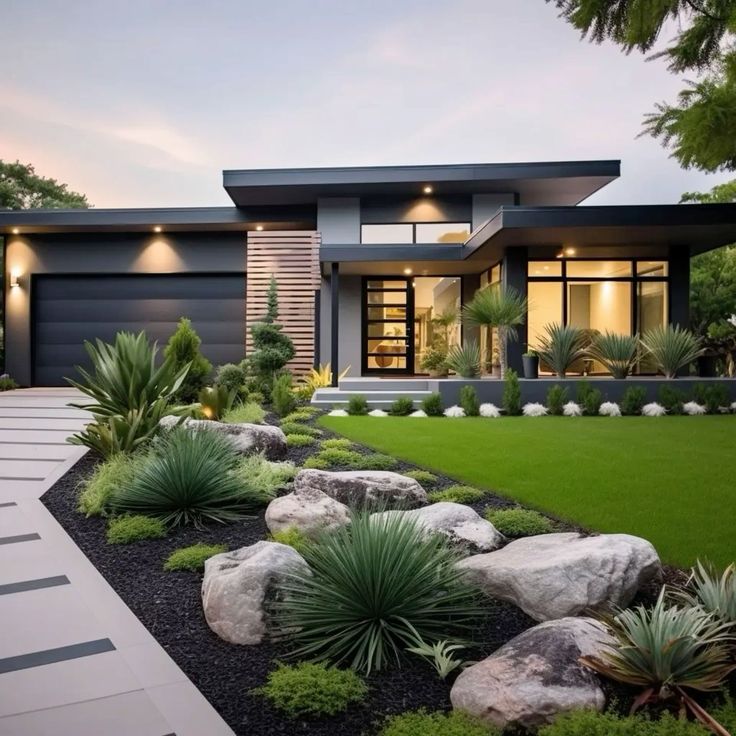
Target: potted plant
434	362
531	364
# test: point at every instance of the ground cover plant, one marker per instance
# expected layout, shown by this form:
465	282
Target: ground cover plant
245	413
519	522
192	558
292	537
129	529
599	474
423	477
307	690
590	723
300	440
97	489
457	494
423	723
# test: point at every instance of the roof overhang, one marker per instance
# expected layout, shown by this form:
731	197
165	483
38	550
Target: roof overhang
183	219
555	183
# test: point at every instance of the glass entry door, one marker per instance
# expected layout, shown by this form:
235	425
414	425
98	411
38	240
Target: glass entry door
388	318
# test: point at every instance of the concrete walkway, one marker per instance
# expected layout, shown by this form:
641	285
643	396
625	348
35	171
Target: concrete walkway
74	660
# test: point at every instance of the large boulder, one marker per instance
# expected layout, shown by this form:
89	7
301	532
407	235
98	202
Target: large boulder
535	676
364	487
556	575
308	510
237	584
246	439
459	523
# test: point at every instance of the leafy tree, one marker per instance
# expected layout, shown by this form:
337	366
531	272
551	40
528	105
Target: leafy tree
698	127
21	188
183	348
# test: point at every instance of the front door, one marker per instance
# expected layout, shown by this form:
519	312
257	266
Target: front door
388	321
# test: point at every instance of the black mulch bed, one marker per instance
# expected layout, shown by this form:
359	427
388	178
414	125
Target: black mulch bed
168	603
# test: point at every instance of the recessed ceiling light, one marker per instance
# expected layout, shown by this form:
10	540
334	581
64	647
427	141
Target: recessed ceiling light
428	189
157	229
259	228
15	231
407	271
569	251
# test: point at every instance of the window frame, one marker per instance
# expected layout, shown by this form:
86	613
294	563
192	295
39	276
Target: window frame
414	240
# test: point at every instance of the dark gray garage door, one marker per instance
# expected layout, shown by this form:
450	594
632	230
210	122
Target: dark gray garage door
67	310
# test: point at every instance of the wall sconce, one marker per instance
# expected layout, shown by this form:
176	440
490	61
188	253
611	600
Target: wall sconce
14	279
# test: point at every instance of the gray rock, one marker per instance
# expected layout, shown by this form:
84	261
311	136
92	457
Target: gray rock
463	526
364	487
535	676
246	439
236	585
551	576
308	510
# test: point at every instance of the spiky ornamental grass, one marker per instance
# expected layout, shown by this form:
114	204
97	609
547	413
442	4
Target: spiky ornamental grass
489	410
534	410
572	409
187	478
465	359
667	650
375	586
561	346
716	593
617	353
671	348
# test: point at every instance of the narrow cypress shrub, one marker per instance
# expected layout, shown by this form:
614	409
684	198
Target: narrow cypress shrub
556	398
512	393
469	401
182	348
432	405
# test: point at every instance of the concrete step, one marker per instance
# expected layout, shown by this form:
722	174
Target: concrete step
375	399
407	385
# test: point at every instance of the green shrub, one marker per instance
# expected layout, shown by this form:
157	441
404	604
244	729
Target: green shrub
333	457
255	397
712	396
187	478
511	400
402	407
127	529
7	383
632	400
336	443
312	690
282	395
299	440
421	723
394	584
556	399
231	376
432	405
457	494
671	398
246	413
726	714
293	537
298	416
469	401
183	349
591	723
192	558
375	461
260	478
357	406
215	401
96	490
518	522
298	428
423	477
589	398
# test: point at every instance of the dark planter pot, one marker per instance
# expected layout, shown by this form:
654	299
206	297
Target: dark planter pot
531	366
707	366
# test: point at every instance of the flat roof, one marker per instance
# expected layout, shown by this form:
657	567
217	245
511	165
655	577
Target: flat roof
551	182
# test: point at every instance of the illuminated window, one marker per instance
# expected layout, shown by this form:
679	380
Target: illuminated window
651	269
544	269
442	232
386	234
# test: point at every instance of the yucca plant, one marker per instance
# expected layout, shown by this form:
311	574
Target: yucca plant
441	655
668	650
187	478
125	376
561	346
671	348
713	591
465	359
618	353
497	307
376	586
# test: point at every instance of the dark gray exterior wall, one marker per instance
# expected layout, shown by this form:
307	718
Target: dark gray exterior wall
514	275
104	253
349	323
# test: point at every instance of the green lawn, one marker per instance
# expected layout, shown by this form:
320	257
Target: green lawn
671	480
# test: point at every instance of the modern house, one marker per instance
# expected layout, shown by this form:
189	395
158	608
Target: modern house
365	257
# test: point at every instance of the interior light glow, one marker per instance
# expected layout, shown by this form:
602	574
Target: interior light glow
427	189
15	231
259	228
569	251
157	229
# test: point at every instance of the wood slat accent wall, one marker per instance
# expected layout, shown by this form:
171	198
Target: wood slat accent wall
293	258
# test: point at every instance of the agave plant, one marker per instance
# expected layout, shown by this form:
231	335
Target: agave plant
376	586
465	359
716	593
502	308
188	478
616	352
441	655
668	650
671	348
561	346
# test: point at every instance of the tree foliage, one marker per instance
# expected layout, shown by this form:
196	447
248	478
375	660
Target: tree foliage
698	126
21	188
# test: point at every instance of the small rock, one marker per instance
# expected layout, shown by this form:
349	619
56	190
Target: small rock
307	509
535	676
237	583
551	576
362	487
463	526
